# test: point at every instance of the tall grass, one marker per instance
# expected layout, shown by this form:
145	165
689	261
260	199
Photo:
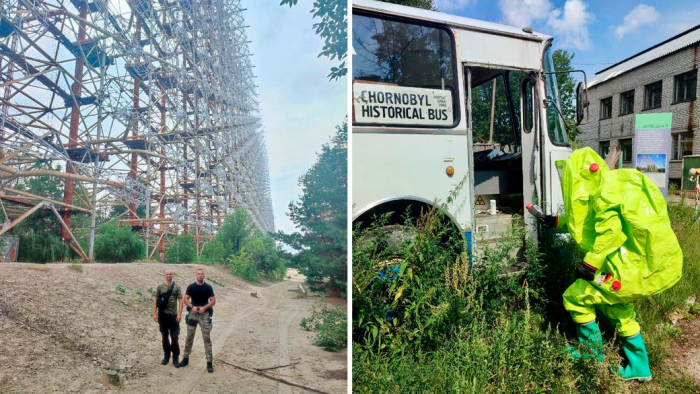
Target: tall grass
426	320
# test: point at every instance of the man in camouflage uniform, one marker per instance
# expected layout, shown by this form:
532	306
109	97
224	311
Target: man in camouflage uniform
168	317
200	301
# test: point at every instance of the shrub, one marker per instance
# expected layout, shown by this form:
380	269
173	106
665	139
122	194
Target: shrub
118	244
213	252
330	325
236	228
244	267
43	247
181	250
262	250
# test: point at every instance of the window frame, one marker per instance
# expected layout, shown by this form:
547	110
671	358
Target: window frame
625	102
562	123
677	79
647	94
528	104
631	149
600	148
602	106
456	106
677	144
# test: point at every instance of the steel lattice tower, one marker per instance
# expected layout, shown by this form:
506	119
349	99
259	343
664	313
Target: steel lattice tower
141	101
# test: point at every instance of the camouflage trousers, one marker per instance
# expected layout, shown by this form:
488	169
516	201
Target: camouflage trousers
205	321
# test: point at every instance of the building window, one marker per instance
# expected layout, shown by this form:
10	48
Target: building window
626	149
627	102
606	108
685	86
603	148
681	145
652	95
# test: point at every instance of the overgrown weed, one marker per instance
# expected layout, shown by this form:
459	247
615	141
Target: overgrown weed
330	325
426	319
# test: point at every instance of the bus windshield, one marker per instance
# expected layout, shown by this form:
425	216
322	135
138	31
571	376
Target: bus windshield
555	124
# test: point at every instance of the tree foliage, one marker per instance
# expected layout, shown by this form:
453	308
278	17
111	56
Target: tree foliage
424	4
236	229
321	214
116	244
503	125
567	89
39	239
213	252
181	250
242	246
333	29
263	251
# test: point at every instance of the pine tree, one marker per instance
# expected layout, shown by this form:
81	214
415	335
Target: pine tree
321	215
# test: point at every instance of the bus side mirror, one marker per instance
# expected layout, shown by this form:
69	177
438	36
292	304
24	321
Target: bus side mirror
581	104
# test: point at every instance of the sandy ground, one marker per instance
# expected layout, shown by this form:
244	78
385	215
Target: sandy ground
62	330
686	354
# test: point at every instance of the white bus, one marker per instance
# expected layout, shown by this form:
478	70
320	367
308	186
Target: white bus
440	99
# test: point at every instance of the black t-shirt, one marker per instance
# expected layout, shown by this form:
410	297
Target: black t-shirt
199	294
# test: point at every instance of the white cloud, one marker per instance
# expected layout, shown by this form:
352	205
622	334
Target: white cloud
641	15
521	13
570	27
452	5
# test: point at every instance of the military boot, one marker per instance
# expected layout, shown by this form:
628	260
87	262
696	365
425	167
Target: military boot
591	339
210	367
184	362
637	359
166	358
176	362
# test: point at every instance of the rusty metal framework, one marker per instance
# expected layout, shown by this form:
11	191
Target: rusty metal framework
141	101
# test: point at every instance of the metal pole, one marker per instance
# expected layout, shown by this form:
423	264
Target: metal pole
74	124
148	214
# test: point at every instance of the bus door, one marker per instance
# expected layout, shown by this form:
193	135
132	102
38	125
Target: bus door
554	142
496	149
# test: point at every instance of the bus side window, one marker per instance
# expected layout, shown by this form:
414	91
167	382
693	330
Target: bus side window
527	107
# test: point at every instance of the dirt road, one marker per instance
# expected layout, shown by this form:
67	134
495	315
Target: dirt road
62	330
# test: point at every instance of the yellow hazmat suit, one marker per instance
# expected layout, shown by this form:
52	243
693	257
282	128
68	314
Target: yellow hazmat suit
619	218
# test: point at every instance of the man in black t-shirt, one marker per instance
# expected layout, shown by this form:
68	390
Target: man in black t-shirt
200	300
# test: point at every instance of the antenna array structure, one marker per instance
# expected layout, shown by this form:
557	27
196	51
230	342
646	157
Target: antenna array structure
143	102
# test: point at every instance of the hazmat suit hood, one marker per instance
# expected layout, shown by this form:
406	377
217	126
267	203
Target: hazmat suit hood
581	176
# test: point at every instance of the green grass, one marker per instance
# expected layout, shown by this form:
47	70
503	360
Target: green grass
75	267
440	326
212	280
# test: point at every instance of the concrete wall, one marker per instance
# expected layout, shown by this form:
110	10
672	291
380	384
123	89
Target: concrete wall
686	115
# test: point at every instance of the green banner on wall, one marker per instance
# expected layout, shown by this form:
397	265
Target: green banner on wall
653	121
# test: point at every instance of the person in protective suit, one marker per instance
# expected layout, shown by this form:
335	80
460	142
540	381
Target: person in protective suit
619	218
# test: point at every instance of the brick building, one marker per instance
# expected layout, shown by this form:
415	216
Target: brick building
662	78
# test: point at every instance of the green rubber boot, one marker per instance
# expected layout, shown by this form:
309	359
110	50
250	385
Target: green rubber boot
590	337
637	359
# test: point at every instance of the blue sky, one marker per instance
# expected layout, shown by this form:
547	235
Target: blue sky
299	107
599	32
